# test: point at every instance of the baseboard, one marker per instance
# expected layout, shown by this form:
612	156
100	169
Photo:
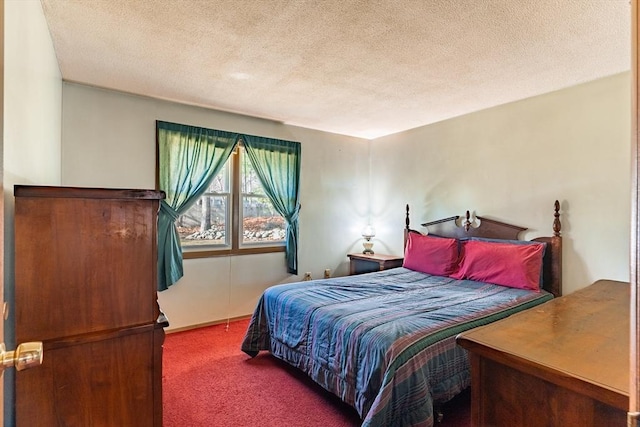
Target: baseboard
204	325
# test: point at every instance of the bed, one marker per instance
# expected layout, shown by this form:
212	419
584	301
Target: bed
384	342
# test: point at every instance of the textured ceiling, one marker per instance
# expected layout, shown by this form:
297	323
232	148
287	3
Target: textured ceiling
364	68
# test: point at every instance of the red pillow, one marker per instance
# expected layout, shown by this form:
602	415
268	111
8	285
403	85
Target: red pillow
515	266
433	255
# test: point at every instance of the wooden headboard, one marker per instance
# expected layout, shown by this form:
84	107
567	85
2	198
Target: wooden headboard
457	227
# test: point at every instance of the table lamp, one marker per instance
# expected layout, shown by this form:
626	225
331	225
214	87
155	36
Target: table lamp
368	232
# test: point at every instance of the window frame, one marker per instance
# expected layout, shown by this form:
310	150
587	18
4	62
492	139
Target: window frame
237	247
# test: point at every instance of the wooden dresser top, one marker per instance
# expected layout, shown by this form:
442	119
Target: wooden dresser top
581	338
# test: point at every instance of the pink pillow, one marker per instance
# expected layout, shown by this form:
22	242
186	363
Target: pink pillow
433	255
515	266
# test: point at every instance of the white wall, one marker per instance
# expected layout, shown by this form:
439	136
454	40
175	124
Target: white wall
109	141
32	116
32	98
511	163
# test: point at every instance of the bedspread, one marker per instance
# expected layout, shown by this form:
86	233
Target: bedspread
383	342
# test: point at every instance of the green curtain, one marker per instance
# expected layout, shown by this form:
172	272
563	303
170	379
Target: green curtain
189	158
277	164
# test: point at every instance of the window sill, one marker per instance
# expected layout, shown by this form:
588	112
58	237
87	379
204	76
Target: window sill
194	254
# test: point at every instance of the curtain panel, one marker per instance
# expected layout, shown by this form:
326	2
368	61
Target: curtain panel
277	164
189	158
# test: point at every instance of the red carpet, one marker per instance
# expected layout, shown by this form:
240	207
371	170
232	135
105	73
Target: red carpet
208	381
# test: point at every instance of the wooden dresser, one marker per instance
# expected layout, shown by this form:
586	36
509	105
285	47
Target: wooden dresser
85	285
563	363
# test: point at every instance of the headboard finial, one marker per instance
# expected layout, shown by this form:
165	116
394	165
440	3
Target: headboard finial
557	226
467	222
406	219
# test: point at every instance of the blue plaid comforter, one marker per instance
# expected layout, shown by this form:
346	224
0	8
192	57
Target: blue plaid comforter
383	342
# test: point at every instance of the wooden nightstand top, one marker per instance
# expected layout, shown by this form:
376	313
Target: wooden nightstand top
374	257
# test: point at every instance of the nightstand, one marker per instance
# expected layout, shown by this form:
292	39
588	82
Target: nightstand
362	263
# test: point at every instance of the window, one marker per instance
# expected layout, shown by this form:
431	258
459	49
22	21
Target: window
207	227
261	224
231	213
205	222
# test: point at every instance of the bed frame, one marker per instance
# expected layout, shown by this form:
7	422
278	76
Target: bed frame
457	227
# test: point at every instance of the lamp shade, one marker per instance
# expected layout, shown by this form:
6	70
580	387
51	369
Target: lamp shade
369	231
